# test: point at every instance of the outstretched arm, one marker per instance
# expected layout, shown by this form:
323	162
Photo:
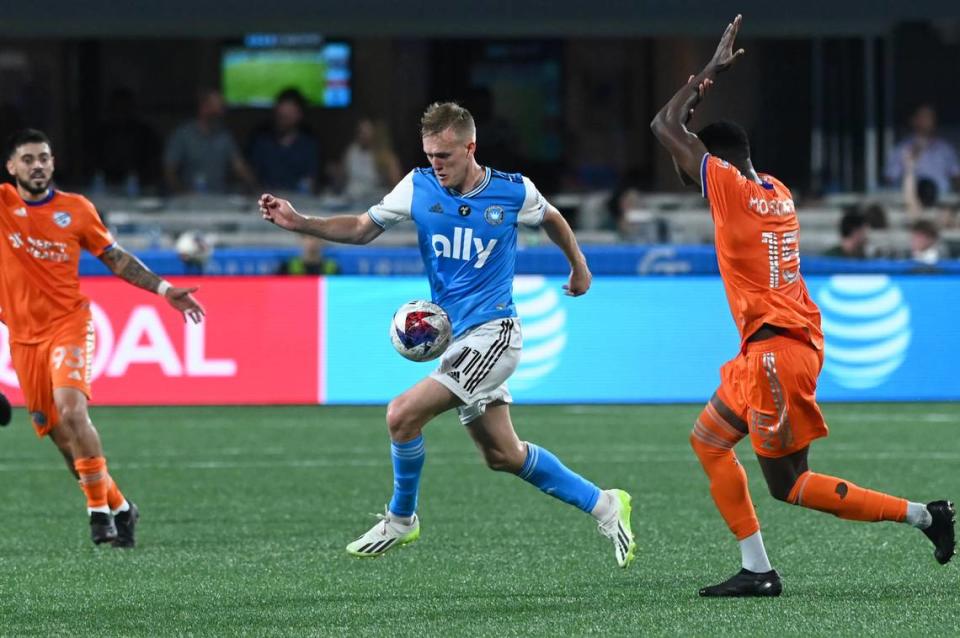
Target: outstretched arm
670	123
560	233
909	186
345	229
129	268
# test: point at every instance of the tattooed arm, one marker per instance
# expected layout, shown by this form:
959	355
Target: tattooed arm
129	268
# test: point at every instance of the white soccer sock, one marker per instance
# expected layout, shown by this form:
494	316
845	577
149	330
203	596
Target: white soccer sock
918	515
104	509
123	508
605	508
406	521
753	555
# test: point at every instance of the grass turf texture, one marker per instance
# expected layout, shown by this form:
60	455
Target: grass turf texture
246	512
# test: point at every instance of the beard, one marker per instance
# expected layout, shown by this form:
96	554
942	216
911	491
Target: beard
28	185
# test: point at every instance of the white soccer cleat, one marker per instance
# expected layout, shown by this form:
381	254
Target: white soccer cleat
385	535
617	528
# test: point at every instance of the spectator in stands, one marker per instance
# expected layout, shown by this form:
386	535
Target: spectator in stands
925	242
129	149
921	195
284	155
633	219
311	261
853	237
370	166
933	157
876	216
201	153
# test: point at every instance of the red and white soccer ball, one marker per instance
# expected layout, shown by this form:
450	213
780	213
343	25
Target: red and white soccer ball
420	330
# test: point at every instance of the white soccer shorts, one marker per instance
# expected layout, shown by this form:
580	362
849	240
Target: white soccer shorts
477	365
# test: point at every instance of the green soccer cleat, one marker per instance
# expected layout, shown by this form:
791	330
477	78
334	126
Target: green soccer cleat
387	534
617	528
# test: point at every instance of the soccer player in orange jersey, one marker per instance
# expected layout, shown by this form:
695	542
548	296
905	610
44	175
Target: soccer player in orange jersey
767	392
51	333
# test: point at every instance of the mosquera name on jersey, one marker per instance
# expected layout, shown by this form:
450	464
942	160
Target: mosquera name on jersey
39	259
468	241
757	239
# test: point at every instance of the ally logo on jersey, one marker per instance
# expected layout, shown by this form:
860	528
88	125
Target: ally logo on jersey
463	246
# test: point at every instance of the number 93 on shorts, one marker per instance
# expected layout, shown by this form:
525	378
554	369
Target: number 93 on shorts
61	361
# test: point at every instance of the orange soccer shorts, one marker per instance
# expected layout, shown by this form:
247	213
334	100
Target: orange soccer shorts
62	361
772	387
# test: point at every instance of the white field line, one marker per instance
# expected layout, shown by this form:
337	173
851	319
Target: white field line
382	460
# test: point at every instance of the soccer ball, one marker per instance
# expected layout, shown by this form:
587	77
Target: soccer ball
420	330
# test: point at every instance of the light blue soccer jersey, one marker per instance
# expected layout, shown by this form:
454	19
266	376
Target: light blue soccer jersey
468	241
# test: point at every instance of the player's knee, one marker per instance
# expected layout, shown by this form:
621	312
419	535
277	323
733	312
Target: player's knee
402	420
780	490
73	418
703	450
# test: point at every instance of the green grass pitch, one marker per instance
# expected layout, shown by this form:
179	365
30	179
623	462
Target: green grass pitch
246	512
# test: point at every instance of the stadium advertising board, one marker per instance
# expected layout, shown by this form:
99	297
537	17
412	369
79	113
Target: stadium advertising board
259	344
631	339
640	339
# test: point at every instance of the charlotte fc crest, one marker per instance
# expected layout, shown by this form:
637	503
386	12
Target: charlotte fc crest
493	215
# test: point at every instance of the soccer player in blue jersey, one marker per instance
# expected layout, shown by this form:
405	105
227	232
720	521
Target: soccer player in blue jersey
467	217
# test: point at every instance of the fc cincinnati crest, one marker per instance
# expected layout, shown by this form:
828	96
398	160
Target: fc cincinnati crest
62	219
464	210
493	215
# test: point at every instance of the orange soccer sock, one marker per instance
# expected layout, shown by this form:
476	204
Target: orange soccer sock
93	480
846	500
712	441
115	497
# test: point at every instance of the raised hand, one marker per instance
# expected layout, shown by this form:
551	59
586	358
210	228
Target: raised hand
702	89
725	56
280	212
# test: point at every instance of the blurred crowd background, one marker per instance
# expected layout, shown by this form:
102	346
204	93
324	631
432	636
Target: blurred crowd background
173	117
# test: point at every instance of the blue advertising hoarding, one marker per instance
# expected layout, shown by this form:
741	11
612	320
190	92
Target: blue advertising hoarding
657	340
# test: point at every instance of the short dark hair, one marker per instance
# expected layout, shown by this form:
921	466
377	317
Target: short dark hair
727	140
927	192
290	94
875	215
851	222
26	136
925	227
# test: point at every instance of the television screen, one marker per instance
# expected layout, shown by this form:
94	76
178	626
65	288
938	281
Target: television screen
253	75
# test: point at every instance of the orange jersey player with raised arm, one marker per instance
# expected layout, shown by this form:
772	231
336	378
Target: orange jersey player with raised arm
768	391
48	318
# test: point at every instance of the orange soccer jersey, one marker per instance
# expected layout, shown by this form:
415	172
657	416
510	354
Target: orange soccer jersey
758	250
771	384
39	255
51	335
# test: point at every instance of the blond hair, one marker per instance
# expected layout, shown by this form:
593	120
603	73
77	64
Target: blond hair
441	116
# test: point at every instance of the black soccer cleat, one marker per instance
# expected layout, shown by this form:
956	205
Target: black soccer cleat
941	532
6	412
746	584
102	528
126	523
